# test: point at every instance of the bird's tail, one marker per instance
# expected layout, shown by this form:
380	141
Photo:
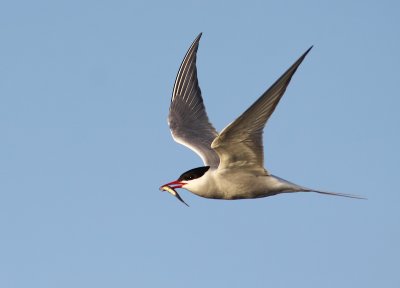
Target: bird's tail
291	187
335	194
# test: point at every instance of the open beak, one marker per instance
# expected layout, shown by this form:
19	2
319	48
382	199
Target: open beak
170	188
174	184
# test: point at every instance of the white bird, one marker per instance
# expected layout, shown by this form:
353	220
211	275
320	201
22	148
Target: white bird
234	158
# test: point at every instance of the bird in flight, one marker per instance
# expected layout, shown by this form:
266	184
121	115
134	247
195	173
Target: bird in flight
234	158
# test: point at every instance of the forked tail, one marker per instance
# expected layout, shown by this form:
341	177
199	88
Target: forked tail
336	194
288	187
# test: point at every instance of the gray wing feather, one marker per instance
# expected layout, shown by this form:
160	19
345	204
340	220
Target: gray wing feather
240	143
187	117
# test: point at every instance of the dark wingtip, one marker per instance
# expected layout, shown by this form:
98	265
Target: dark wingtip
305	53
296	64
197	39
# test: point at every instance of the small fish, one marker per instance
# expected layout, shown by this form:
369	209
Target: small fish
173	192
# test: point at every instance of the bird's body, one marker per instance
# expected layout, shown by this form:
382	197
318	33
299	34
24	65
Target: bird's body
233	158
232	184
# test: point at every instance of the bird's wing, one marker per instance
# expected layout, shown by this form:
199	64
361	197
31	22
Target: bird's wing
240	144
187	118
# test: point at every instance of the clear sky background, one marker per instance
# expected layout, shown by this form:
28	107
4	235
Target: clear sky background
84	94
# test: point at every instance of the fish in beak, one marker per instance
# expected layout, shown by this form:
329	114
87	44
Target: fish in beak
172	191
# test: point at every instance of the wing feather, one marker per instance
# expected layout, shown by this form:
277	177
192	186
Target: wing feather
240	143
187	119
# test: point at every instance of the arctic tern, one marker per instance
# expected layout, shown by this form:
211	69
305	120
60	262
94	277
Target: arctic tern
233	159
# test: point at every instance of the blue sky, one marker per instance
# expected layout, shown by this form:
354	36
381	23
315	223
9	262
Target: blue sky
84	94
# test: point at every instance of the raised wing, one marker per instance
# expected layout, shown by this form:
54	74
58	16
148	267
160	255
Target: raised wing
240	144
187	117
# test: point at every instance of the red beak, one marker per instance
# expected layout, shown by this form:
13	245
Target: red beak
174	184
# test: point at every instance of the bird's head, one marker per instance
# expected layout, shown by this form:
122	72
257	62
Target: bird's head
188	179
